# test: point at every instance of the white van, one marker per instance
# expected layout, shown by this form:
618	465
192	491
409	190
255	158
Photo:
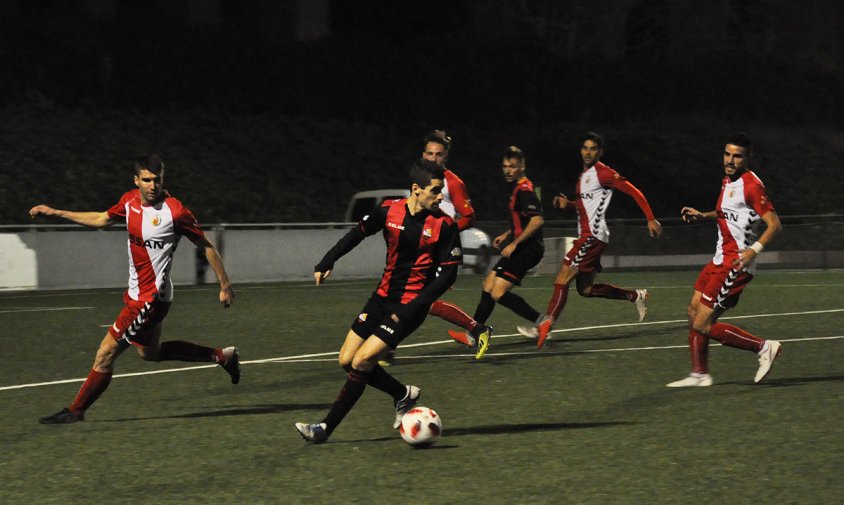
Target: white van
477	247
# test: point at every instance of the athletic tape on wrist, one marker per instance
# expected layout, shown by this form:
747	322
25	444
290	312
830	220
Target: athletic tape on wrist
757	247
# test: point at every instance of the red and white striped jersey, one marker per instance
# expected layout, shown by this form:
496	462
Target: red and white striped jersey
595	188
456	203
740	208
154	232
594	193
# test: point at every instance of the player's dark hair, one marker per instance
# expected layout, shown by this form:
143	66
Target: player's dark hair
594	137
151	162
514	152
423	171
440	137
741	139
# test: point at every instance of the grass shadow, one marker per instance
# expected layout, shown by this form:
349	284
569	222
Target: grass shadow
245	411
790	381
503	429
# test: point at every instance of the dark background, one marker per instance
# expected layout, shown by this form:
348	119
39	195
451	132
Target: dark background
279	111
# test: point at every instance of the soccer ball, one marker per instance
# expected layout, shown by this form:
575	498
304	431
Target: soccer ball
421	427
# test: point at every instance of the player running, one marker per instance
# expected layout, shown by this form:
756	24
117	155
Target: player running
524	251
455	203
155	222
582	262
742	204
423	255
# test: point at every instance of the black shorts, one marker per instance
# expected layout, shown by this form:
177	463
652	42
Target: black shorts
524	258
375	319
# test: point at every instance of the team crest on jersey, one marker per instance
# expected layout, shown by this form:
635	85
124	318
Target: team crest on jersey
731	193
586	180
156	220
427	233
362	317
456	252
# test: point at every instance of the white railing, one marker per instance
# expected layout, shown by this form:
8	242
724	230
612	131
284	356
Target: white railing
44	256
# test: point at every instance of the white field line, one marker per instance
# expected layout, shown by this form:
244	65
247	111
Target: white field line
40	309
330	356
369	284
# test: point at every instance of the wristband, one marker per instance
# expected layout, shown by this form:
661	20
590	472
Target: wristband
757	247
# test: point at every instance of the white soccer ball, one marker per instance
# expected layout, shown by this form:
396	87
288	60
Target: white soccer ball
421	427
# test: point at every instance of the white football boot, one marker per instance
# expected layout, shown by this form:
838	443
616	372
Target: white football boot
692	381
767	356
641	303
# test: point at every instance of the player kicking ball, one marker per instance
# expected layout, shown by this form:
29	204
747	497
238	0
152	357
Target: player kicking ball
423	255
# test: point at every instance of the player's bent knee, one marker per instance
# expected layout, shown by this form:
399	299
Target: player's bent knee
700	325
105	358
364	364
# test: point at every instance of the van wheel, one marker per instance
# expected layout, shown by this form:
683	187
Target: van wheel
484	257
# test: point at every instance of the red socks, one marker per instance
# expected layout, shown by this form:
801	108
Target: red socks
179	350
699	350
612	292
558	300
734	336
91	389
453	314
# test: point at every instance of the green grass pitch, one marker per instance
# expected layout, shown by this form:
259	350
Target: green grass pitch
587	419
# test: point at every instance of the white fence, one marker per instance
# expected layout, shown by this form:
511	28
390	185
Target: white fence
56	257
68	256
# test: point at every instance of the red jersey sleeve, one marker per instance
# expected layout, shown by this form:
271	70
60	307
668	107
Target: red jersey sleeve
185	222
118	210
609	178
756	196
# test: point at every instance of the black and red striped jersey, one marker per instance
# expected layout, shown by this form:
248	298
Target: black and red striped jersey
524	204
423	251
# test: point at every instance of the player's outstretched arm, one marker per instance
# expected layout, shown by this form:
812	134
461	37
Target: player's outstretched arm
561	201
654	228
346	243
90	219
691	214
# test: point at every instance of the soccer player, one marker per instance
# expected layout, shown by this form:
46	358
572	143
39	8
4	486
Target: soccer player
582	262
155	222
741	206
455	203
423	255
524	251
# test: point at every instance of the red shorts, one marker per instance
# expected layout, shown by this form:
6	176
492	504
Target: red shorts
585	254
721	285
137	319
